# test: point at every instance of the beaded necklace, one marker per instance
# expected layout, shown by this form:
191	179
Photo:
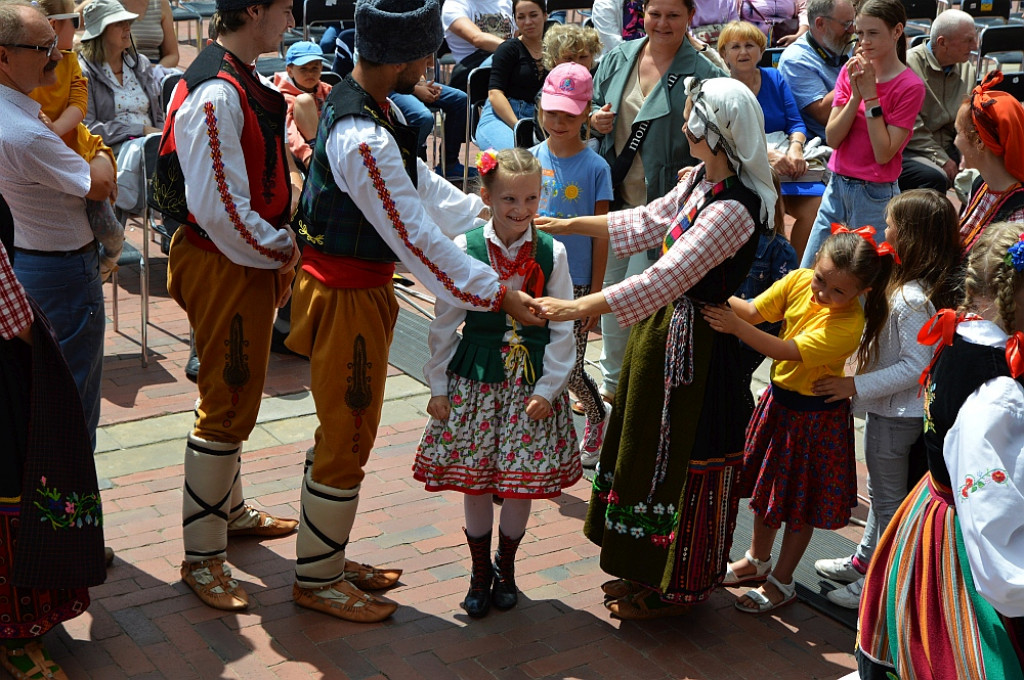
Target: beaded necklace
505	267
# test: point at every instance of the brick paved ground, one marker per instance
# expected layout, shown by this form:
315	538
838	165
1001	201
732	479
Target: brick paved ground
143	623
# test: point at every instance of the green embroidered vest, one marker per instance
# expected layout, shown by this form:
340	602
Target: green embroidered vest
328	219
478	356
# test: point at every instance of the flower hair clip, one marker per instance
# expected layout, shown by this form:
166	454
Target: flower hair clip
867	233
1015	255
486	161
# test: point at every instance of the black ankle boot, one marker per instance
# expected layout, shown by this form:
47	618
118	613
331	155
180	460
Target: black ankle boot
478	601
505	595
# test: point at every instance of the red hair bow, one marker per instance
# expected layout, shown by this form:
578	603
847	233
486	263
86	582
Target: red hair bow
940	329
867	233
1015	354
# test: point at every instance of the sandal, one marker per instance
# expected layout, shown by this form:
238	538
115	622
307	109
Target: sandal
642	606
43	667
619	588
577	408
763	568
761	602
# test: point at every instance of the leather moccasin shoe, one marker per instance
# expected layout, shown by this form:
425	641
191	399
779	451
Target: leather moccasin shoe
253	522
344	601
368	577
211	580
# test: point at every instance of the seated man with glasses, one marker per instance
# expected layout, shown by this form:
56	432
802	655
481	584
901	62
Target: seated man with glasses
812	63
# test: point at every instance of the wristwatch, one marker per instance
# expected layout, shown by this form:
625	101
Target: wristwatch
873	111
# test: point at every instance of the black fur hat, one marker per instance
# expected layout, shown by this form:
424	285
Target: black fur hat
397	31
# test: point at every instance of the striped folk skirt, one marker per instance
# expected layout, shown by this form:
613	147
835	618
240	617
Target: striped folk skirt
921	617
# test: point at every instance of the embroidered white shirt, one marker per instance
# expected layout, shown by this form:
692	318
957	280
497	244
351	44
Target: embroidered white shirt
559	353
986	446
193	135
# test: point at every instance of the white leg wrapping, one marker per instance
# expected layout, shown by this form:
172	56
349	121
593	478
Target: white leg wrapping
327	518
211	470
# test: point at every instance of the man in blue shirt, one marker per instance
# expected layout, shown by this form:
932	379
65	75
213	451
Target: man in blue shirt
811	64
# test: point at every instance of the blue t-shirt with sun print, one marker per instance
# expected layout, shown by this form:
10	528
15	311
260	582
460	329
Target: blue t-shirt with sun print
571	187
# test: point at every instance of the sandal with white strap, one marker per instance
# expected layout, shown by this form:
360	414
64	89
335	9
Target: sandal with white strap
761	602
763	567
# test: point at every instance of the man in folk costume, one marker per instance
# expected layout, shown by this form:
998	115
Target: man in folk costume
367	203
223	171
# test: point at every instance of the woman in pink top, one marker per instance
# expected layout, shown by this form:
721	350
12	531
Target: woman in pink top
877	99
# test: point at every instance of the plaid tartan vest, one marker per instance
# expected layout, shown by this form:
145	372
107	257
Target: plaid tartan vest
328	219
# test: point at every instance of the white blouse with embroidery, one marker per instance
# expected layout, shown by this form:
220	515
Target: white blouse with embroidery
559	353
984	453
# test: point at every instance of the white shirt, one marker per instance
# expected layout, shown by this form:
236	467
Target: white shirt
559	353
238	231
490	16
131	103
425	217
891	387
607	17
986	445
43	181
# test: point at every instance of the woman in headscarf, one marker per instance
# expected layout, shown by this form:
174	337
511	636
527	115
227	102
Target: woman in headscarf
990	137
663	505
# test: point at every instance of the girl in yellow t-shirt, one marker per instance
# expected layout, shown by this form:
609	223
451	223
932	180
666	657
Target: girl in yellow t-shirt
798	463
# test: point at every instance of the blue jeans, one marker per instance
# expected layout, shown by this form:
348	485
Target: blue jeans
419	116
493	133
69	291
887	443
853	202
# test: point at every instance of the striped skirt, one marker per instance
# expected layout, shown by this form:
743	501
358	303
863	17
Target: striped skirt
921	617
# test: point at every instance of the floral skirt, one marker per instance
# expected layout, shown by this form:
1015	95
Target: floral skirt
30	612
799	466
489	444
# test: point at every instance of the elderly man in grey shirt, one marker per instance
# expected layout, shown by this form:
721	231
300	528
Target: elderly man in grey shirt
944	64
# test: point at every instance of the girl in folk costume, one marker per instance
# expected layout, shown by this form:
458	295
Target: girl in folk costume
922	227
944	594
990	137
663	504
501	423
798	464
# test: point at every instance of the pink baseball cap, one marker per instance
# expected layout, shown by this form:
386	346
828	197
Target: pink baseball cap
568	88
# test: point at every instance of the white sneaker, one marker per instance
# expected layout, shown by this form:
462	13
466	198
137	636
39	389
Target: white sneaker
589	459
839	569
848	596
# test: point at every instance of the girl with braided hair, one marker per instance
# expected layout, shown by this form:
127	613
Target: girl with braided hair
944	593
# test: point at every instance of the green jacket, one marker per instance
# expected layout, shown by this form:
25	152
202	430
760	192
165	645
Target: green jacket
665	148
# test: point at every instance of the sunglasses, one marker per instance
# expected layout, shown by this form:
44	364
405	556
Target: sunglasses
75	18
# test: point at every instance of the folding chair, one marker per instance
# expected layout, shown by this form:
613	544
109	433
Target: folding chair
527	133
267	66
323	12
476	91
330	77
999	40
770	57
205	10
1014	84
167	86
987	12
920	14
180	13
129	255
919	40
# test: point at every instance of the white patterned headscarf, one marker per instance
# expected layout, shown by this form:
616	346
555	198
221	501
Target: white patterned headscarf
727	115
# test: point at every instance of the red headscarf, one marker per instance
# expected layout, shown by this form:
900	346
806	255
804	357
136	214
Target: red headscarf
999	119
